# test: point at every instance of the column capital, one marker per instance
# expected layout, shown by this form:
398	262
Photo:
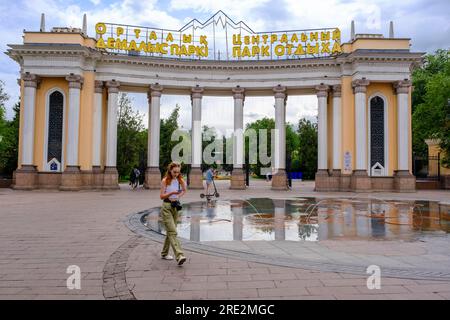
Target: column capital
197	92
238	93
30	80
113	86
337	91
75	81
322	90
155	90
98	86
360	85
402	86
279	92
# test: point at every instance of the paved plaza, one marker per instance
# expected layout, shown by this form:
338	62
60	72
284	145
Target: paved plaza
44	232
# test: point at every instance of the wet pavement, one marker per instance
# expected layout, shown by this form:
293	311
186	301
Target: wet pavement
44	232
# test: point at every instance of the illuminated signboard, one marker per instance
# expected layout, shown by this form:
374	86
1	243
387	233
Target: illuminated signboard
219	38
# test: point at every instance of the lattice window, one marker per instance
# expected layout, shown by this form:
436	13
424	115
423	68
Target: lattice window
377	131
55	126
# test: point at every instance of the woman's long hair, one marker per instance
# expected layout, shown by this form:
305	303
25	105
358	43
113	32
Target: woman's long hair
168	176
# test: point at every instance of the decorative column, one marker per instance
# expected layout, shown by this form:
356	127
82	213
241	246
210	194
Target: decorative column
196	175
335	179
71	177
238	176
279	179
97	135
321	179
279	216
237	208
404	181
111	176
360	179
153	174
26	175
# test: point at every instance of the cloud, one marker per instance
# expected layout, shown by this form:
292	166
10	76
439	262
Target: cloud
426	22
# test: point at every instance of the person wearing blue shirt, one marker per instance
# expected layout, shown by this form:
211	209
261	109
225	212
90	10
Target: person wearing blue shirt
209	179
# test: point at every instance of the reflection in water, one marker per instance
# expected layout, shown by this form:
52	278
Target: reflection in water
307	219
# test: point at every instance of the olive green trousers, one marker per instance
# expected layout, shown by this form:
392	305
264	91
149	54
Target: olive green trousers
170	217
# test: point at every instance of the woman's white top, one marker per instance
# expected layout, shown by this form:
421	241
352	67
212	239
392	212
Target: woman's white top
174	186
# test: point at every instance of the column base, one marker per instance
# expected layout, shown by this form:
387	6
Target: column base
238	179
111	178
445	182
327	182
26	178
87	179
321	180
360	181
279	180
97	177
404	181
71	179
345	183
196	179
152	178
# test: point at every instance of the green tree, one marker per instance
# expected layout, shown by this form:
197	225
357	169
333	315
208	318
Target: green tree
168	126
430	118
306	158
129	136
5	134
11	140
265	123
292	142
433	64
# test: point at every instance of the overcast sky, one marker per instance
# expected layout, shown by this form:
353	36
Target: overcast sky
427	23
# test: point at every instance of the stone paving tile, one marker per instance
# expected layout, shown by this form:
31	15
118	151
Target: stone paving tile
184	279
251	284
232	294
445	295
229	278
248	271
203	286
429	288
35	251
343	282
298	283
362	296
415	296
383	290
333	290
283	292
274	276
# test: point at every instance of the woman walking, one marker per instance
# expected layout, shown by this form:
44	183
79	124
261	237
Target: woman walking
172	189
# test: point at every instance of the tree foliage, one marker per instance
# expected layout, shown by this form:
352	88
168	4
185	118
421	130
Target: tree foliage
130	135
431	109
9	136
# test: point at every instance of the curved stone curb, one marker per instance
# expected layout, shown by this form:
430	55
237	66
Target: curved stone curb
115	285
134	222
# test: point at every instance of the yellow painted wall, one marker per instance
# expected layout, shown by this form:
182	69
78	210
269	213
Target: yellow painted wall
53	37
371	43
86	113
348	121
433	150
46	85
386	90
